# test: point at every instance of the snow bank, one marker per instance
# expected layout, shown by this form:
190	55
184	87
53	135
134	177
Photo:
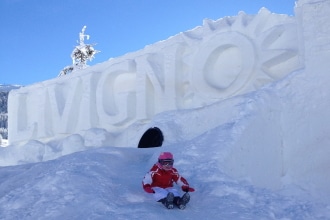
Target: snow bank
286	142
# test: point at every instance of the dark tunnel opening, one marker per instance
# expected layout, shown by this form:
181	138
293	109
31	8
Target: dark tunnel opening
153	137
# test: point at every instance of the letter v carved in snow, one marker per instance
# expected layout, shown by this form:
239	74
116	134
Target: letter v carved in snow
64	105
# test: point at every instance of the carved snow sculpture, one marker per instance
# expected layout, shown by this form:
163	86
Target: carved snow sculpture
221	59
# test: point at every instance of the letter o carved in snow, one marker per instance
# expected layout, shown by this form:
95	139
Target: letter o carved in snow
225	65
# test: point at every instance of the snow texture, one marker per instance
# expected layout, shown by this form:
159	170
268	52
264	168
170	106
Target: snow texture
242	103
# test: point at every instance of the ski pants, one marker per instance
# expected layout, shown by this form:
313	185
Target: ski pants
161	193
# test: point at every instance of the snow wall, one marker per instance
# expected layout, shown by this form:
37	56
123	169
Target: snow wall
285	139
193	69
254	71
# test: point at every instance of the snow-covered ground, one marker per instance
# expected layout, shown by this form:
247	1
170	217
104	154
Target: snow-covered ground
261	154
105	183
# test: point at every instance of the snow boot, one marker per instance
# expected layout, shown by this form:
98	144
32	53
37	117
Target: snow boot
182	202
168	201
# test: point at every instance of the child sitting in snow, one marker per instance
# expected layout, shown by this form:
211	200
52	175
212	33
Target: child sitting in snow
159	181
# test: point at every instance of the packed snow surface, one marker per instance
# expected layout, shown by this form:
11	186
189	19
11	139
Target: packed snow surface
105	183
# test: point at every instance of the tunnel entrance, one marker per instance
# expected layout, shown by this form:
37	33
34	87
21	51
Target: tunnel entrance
153	137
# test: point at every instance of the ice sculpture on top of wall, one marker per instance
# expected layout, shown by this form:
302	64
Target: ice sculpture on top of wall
80	54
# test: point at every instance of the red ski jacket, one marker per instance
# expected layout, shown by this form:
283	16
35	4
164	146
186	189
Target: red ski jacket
158	177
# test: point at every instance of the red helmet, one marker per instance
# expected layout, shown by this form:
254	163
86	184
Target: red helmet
165	160
165	155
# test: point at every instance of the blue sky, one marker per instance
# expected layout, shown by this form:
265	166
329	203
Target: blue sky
38	36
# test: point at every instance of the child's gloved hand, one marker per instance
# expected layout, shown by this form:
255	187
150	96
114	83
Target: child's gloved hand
187	189
148	189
